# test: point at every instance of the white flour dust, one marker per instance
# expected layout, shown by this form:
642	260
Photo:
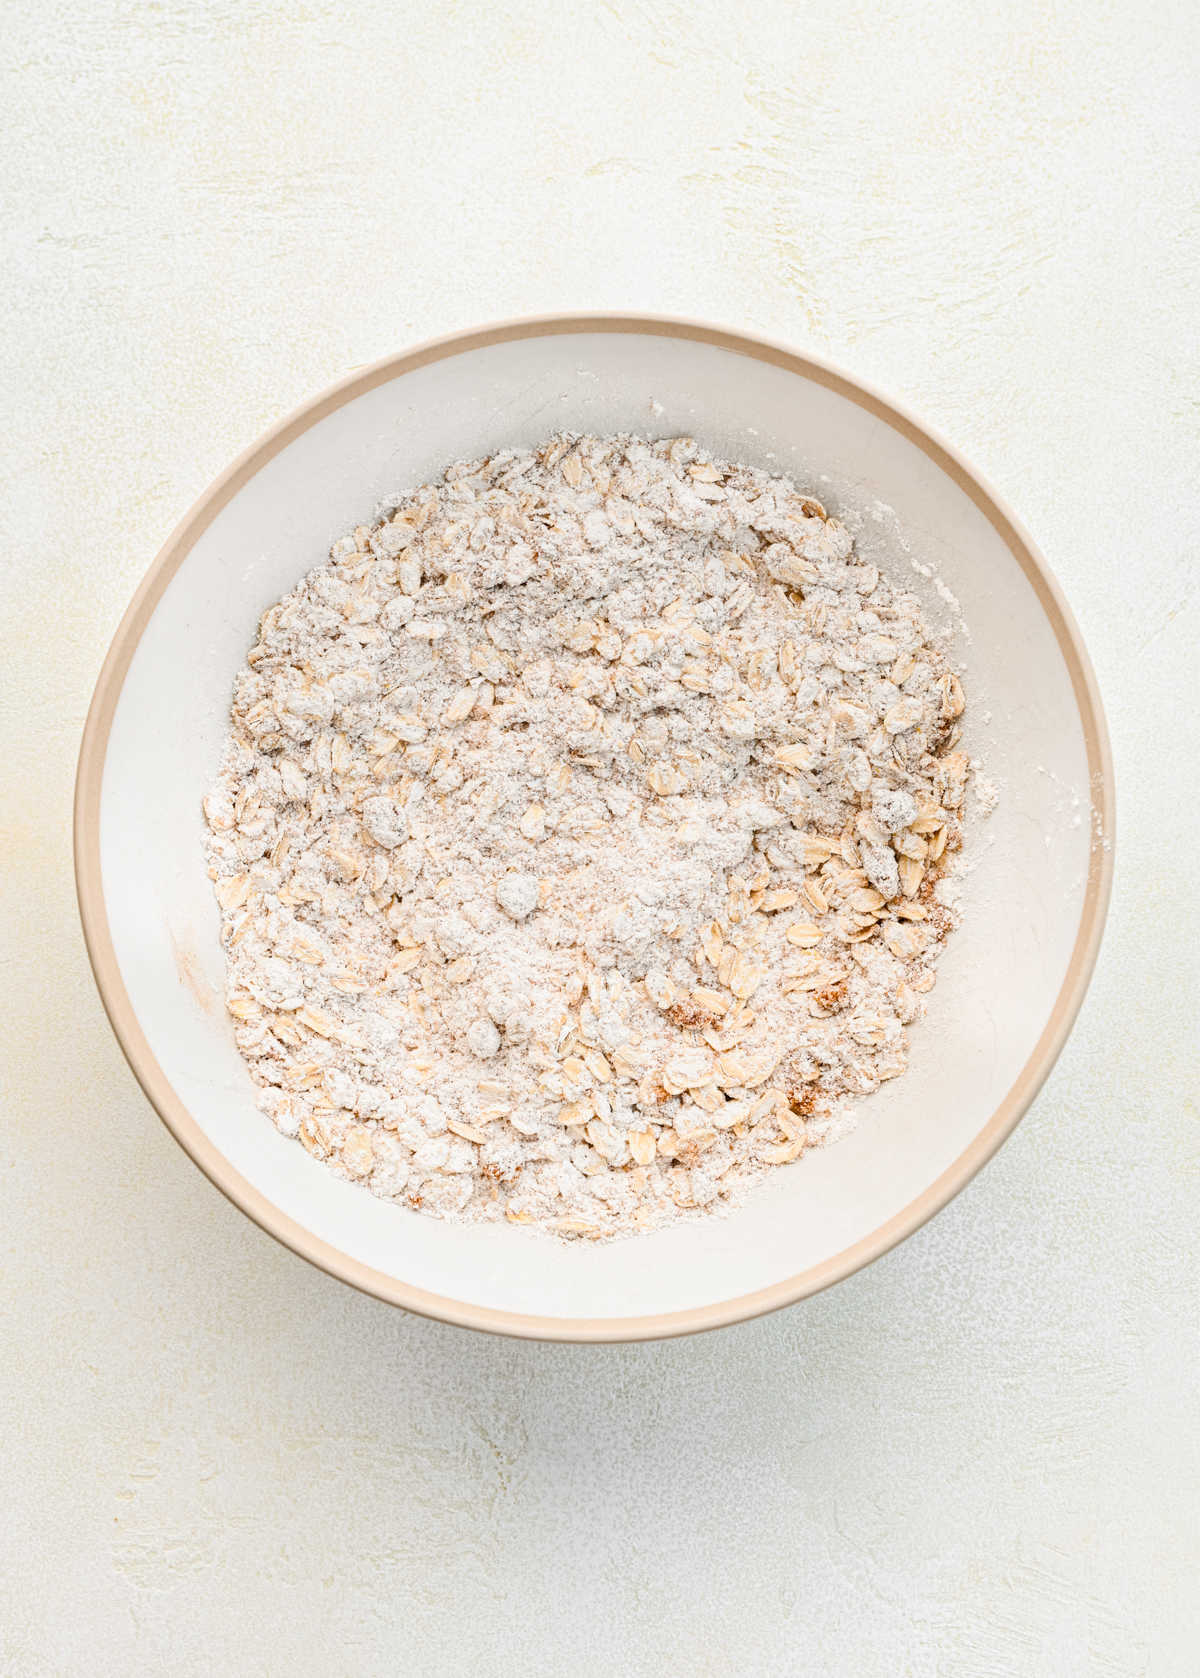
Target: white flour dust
578	838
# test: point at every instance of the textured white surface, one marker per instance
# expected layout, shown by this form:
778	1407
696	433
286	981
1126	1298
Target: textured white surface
978	1457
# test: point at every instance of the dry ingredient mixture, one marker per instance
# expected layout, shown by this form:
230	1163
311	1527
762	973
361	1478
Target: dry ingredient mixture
578	837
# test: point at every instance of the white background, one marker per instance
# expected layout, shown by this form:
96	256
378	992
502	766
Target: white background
980	1455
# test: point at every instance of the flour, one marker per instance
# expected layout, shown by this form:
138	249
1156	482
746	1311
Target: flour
578	835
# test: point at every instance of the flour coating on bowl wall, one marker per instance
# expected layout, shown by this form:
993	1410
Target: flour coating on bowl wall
582	837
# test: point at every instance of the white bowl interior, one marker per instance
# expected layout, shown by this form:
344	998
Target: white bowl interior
1024	894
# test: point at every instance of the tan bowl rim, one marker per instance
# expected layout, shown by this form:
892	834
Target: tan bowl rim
720	1313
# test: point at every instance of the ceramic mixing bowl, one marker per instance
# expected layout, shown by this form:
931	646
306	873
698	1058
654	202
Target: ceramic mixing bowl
1010	982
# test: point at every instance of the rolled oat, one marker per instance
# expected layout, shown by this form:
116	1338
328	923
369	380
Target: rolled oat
578	837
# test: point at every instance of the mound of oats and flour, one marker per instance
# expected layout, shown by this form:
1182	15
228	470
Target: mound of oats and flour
578	837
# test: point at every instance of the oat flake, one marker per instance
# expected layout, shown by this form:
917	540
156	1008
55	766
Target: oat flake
578	836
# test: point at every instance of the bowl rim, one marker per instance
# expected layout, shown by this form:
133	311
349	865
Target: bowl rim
720	1313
